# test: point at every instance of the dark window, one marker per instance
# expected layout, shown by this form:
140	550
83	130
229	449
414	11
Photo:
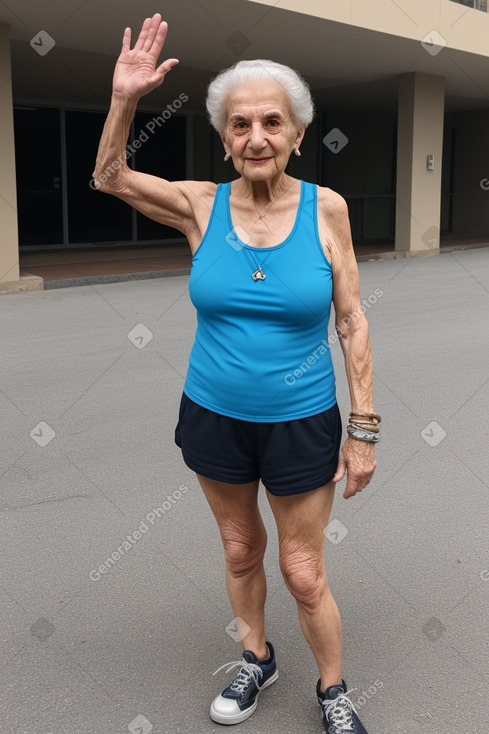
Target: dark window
92	216
476	4
38	165
163	155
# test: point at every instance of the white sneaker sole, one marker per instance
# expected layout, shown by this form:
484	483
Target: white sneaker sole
243	715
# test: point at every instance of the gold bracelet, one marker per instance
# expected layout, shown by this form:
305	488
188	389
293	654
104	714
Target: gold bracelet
362	422
374	416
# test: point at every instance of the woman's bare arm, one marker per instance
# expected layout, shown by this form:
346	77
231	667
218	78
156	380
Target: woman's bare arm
357	457
136	74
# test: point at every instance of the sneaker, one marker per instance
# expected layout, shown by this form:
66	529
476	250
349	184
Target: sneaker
339	714
240	699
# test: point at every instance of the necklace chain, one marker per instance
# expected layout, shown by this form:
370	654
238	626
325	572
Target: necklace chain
261	217
259	274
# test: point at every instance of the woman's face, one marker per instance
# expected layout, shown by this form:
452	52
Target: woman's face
260	132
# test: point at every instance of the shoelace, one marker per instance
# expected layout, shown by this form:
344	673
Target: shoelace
339	711
243	678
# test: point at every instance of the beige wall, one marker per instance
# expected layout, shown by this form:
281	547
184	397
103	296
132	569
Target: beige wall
420	133
9	250
463	28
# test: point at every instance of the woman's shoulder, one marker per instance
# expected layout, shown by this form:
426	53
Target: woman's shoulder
332	204
197	188
334	224
200	196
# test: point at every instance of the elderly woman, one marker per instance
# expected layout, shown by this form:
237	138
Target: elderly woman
270	255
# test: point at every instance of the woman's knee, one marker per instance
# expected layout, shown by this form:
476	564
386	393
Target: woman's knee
305	576
243	551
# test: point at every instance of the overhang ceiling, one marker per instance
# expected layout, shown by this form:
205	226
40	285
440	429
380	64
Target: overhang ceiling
344	65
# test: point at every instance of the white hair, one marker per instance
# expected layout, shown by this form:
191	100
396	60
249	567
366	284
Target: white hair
242	72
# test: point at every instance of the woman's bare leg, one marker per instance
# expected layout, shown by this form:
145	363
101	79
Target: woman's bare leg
243	534
301	520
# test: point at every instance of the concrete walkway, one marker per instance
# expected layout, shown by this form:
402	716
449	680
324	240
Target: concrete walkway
113	606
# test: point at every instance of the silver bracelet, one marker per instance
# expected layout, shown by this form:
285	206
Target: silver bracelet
361	435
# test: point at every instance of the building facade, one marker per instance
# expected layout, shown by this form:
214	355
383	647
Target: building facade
401	89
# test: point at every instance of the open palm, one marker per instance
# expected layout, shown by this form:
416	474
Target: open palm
136	72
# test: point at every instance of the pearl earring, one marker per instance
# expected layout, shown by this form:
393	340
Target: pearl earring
297	152
227	156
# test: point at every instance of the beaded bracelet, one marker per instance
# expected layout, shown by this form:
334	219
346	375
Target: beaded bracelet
362	435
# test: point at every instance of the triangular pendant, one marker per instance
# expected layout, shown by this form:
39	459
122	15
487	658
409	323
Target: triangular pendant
258	275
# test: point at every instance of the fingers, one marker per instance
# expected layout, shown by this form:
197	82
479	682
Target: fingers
126	41
152	35
153	31
351	489
158	39
340	472
151	39
162	70
165	67
355	484
143	34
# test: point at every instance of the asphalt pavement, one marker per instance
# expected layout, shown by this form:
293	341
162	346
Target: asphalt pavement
114	614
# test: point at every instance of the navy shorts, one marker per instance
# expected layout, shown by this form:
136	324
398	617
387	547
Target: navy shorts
289	457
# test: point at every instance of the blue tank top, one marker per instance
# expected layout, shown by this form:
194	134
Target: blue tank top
261	349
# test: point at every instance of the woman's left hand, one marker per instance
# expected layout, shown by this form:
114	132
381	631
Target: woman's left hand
357	460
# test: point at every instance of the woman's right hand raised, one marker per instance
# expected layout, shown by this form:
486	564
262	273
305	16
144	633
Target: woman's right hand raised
136	73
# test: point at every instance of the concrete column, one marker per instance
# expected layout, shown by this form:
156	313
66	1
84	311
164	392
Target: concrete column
420	134
9	246
9	240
